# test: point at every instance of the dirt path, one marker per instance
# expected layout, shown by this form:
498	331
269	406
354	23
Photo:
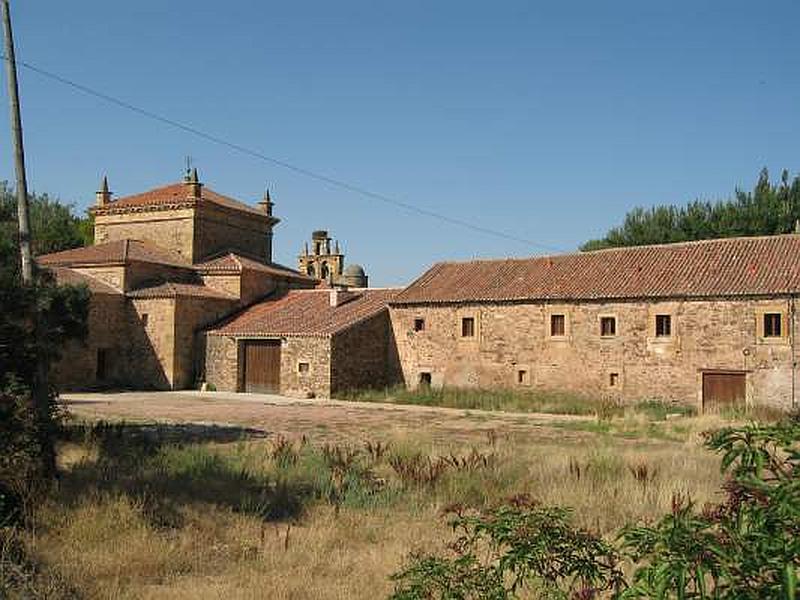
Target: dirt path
321	419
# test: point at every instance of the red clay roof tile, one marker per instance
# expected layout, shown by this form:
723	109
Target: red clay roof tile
120	251
172	290
305	313
232	262
711	268
174	194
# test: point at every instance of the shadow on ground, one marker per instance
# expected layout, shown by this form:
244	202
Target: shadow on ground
168	468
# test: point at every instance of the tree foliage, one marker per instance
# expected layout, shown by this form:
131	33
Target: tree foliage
61	313
54	225
771	208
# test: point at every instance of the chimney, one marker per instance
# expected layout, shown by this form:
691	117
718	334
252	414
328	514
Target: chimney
193	185
103	196
340	294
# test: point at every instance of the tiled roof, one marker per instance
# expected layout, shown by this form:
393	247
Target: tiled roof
172	195
306	313
66	276
711	268
172	290
120	251
236	263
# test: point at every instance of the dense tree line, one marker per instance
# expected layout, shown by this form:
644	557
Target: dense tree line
771	208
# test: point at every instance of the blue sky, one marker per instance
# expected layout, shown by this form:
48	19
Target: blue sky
546	121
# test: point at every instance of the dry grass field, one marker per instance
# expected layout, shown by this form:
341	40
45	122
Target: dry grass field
301	501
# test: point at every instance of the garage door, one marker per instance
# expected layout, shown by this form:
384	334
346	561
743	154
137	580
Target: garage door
723	390
262	366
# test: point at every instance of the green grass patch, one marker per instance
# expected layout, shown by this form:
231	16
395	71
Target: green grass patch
533	401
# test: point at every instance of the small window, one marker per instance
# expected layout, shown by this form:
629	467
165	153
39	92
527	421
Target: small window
302	367
522	377
608	326
558	325
772	325
663	325
102	364
419	324
468	327
145	319
425	380
613	379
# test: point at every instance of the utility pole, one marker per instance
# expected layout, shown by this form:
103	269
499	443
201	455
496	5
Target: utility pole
40	395
23	212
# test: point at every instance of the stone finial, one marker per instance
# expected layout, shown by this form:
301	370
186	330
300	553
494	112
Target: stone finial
266	203
103	196
192	182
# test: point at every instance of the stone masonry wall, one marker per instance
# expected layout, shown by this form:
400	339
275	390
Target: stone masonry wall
151	342
218	230
113	276
191	314
224	363
361	356
222	359
316	353
77	368
512	347
170	229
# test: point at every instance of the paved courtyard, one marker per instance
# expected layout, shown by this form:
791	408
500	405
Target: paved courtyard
322	419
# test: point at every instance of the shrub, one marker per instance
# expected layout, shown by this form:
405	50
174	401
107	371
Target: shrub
747	547
500	551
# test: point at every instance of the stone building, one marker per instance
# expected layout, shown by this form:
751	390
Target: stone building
326	263
165	264
310	343
708	323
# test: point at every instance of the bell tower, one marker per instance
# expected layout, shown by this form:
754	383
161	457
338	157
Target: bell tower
321	261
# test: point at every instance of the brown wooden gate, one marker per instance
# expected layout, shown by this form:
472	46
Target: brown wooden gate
262	366
723	390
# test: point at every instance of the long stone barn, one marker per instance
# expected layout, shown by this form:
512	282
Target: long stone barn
705	323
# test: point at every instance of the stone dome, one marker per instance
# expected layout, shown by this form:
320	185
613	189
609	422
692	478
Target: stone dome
354	270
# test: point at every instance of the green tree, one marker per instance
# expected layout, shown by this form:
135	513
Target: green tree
26	439
770	209
54	225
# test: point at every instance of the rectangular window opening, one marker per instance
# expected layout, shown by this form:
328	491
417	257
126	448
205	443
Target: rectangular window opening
145	319
303	367
419	324
468	327
522	377
772	325
613	379
558	325
425	380
663	325
608	326
102	364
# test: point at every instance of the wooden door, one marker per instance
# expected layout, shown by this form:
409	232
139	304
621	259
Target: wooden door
262	366
724	390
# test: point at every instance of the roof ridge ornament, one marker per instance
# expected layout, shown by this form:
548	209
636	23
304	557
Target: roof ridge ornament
103	195
266	202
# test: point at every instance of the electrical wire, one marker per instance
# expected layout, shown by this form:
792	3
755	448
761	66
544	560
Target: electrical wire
338	183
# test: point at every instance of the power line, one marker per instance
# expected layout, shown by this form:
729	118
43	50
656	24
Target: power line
281	163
